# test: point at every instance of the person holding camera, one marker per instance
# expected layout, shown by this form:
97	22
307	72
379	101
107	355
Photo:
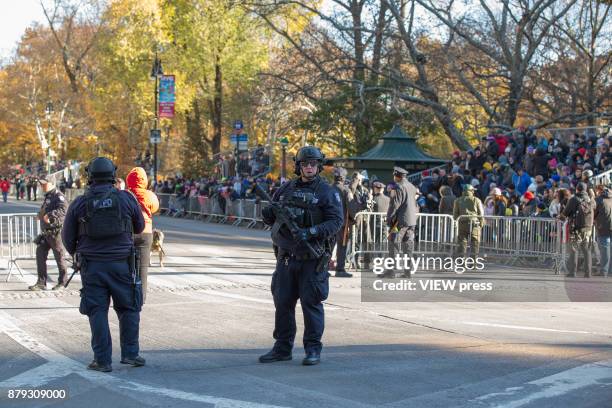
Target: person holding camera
51	218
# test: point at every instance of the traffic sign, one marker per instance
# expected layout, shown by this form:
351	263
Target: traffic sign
238	125
155	136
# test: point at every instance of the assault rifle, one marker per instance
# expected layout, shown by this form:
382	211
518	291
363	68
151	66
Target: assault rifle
285	217
76	267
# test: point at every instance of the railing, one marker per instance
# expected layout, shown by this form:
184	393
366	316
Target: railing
603	178
510	239
416	178
213	209
16	234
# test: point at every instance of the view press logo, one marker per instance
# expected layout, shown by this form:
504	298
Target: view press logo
412	265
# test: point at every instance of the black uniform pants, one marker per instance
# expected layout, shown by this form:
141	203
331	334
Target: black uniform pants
101	281
340	251
50	242
292	280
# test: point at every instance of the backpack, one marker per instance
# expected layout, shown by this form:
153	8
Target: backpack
104	218
584	211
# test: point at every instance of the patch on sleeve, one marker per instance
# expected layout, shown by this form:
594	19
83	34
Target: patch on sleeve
338	198
61	198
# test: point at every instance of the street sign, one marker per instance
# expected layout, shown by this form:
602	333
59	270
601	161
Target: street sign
238	125
155	136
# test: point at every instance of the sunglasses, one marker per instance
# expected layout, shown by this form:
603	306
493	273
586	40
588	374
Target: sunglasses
309	163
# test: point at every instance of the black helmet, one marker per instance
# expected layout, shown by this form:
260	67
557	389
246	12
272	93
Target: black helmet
308	153
101	169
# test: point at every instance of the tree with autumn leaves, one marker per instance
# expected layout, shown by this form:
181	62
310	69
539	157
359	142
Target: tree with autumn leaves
337	74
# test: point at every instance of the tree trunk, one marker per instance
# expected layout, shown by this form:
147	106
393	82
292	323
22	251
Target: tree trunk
514	98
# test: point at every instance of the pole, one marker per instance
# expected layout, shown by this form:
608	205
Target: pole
283	159
48	144
156	119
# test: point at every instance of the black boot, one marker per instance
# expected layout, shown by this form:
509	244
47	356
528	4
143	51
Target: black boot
343	274
312	358
273	356
134	362
98	367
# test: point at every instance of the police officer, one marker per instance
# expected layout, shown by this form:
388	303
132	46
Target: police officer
343	235
580	209
317	209
51	216
470	225
380	202
99	228
401	217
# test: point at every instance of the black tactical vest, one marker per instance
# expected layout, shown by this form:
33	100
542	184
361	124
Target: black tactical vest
302	201
104	218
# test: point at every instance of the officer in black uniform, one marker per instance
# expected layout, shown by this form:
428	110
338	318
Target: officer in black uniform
318	212
51	217
99	228
343	235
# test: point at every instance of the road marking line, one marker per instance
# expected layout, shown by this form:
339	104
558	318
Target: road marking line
59	365
598	373
531	328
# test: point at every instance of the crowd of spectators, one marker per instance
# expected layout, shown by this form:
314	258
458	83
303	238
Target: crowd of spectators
223	190
519	174
24	179
253	163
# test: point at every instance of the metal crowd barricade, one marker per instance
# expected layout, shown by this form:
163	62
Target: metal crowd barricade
164	202
603	178
416	178
518	239
434	234
16	234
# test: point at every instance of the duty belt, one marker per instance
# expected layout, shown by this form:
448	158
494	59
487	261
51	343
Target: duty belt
283	253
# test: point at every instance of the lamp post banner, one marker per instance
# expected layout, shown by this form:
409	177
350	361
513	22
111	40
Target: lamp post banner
167	96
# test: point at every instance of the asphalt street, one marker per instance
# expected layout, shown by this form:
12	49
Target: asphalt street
209	315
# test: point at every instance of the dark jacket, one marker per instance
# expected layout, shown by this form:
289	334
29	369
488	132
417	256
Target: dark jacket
108	249
403	207
540	164
345	194
54	206
329	203
603	215
447	201
579	219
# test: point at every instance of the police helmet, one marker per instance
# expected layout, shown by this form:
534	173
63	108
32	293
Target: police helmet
308	153
101	169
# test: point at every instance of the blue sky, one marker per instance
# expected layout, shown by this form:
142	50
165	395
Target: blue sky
14	18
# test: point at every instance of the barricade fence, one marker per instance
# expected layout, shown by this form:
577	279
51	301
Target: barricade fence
510	240
217	208
17	232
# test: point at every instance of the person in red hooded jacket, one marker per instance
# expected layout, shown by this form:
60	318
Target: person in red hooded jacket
136	182
5	186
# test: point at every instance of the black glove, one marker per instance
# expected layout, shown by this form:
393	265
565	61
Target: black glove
306	234
267	214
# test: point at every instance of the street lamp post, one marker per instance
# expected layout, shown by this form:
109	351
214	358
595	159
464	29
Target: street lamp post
156	72
48	113
283	142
